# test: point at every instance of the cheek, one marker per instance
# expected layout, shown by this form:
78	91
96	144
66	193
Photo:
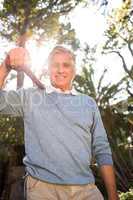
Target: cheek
72	74
52	77
52	73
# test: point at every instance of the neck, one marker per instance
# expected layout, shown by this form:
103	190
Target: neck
63	89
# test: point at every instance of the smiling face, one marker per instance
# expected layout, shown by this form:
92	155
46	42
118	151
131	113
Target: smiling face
62	70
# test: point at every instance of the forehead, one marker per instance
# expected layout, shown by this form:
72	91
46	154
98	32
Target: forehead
61	58
61	52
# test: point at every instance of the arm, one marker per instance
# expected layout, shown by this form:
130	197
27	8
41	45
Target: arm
17	59
10	102
4	71
102	152
107	173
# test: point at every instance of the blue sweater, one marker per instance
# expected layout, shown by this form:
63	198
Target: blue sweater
62	132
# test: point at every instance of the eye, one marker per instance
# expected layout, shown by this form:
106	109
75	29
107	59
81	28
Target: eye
55	65
67	65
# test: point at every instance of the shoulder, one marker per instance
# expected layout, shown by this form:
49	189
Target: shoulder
30	93
90	101
31	90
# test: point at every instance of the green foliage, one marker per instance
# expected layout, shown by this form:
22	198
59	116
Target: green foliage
127	195
116	117
33	16
11	134
66	35
22	19
11	130
119	37
3	153
84	83
42	17
120	27
118	130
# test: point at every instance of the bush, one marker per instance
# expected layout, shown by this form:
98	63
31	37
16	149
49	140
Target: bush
127	195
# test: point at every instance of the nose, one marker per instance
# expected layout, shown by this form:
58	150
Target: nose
60	69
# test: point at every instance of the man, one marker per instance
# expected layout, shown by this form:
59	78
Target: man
62	132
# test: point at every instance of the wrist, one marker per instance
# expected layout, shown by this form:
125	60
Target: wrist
4	70
6	64
114	197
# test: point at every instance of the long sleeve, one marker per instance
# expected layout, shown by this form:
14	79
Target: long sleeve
100	145
11	102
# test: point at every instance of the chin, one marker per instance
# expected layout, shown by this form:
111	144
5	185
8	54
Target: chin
61	86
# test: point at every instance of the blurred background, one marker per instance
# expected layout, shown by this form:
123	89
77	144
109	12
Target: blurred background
100	32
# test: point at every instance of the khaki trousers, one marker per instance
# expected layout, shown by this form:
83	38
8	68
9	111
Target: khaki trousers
38	190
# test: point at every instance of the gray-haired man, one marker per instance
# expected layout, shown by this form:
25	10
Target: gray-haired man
62	131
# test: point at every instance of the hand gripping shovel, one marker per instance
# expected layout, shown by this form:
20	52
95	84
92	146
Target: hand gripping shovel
27	71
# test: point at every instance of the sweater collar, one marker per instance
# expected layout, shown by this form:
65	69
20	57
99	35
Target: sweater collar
50	89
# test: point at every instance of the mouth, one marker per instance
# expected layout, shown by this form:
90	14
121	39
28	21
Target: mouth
60	77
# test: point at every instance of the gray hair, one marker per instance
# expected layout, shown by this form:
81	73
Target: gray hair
61	49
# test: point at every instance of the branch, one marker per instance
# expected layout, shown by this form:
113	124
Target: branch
128	90
41	13
26	22
48	11
124	63
6	35
101	79
53	3
130	49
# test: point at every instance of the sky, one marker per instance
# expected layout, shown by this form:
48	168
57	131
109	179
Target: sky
90	25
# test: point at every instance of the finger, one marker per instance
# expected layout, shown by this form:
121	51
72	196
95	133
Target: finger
19	57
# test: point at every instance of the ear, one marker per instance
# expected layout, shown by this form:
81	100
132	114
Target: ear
73	78
74	73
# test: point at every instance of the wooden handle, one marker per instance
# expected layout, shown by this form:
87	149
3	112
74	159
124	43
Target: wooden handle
35	80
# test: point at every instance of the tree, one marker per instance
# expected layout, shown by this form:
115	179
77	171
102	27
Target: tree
115	120
21	19
119	37
85	83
